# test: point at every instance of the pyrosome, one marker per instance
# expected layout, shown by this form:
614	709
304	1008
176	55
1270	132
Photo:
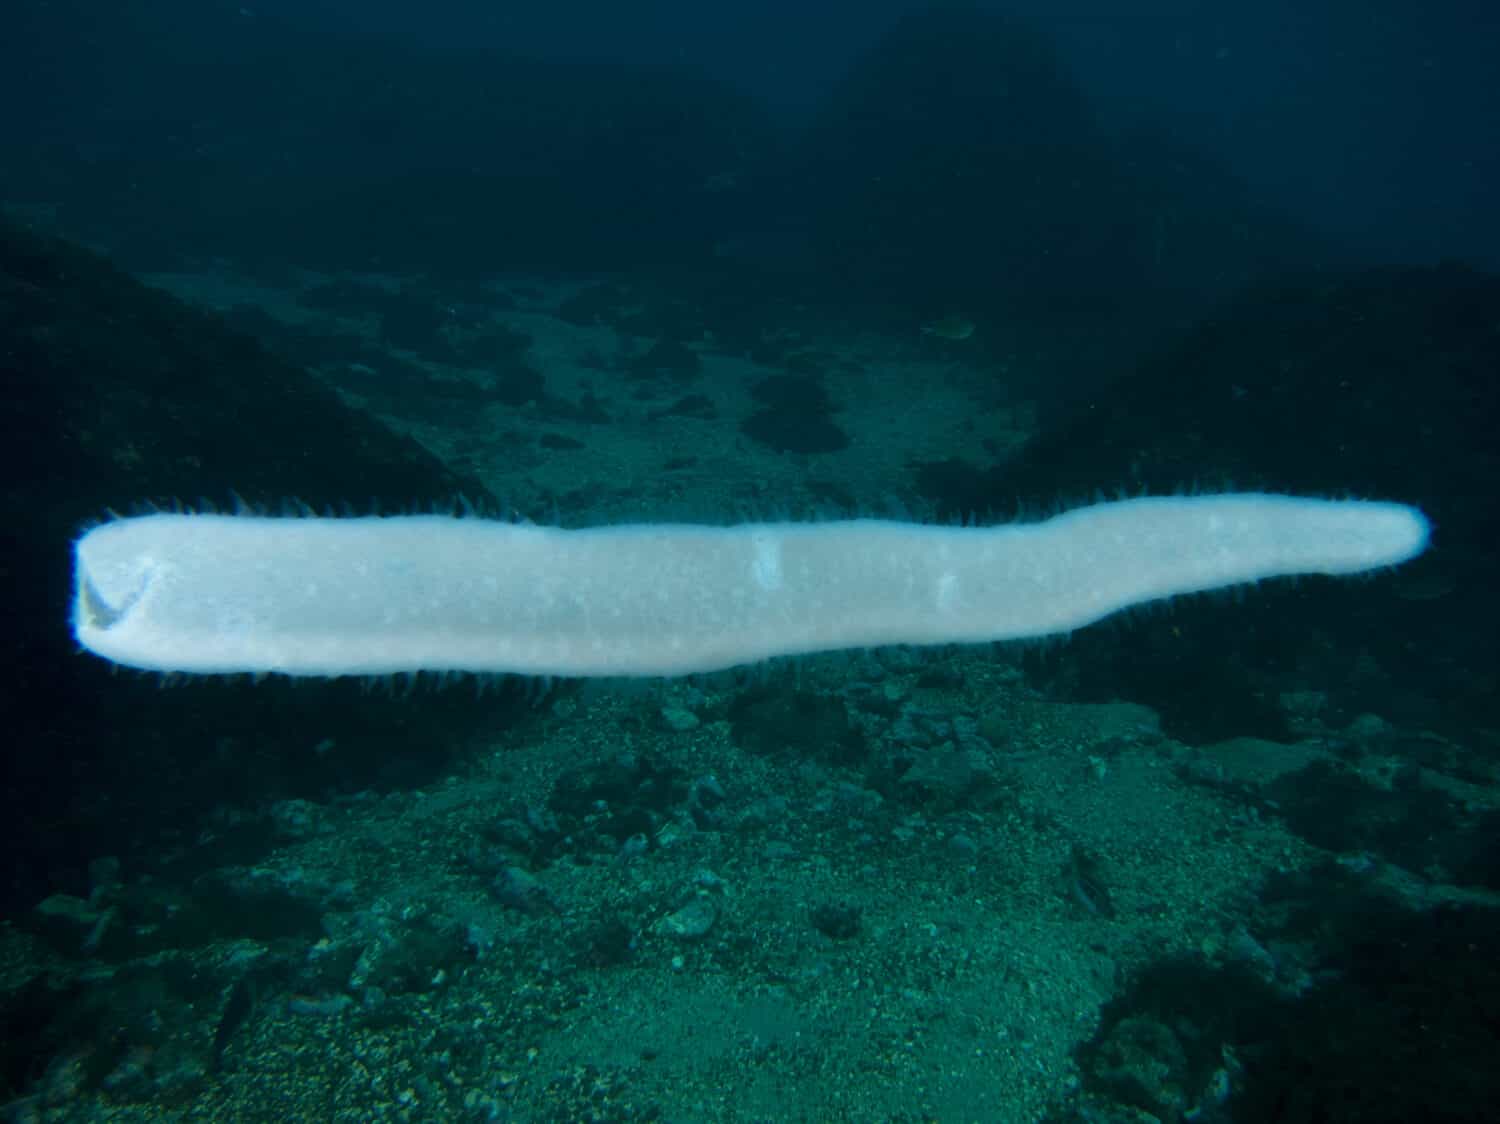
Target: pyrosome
221	594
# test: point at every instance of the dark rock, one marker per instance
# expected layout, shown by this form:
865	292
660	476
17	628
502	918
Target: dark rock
120	396
1378	384
837	920
796	416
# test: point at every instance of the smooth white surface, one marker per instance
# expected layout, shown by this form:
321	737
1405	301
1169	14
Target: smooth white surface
224	594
